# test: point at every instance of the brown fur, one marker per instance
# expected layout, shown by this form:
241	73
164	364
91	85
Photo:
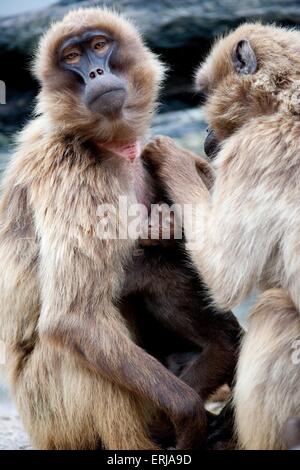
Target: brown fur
249	222
78	377
268	382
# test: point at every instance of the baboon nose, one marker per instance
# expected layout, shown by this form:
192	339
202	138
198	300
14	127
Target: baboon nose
93	73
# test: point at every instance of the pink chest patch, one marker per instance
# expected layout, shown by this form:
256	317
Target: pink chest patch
128	150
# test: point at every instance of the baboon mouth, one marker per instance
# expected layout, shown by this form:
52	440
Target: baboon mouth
109	102
107	92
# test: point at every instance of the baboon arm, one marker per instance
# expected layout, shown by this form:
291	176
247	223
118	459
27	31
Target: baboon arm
18	255
225	249
226	245
78	315
104	348
236	232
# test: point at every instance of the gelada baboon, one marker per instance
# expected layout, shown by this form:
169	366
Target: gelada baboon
79	378
247	234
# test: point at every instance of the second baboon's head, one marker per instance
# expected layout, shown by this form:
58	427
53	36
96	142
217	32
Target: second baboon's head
98	79
252	72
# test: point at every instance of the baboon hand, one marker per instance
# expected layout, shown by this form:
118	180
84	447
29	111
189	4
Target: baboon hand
191	427
181	172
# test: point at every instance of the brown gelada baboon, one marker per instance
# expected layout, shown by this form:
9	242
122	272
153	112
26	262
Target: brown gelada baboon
249	235
79	376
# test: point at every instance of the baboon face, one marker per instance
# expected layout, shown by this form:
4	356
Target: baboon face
88	57
97	76
246	75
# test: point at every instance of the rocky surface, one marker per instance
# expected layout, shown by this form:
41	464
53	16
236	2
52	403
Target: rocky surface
180	31
165	23
187	127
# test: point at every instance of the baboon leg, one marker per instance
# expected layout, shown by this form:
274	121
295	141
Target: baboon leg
222	360
216	358
64	406
267	390
123	421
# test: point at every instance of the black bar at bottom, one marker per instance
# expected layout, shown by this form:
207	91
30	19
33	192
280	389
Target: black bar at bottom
143	460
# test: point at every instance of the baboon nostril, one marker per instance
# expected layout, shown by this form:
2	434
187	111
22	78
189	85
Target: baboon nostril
99	71
92	75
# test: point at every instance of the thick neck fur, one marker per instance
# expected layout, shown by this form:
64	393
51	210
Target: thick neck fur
73	118
49	151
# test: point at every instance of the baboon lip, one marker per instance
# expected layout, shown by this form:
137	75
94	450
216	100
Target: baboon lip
107	92
128	150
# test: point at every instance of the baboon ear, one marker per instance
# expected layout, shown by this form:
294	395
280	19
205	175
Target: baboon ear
244	59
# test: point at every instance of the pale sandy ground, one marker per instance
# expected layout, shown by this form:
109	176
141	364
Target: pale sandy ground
12	435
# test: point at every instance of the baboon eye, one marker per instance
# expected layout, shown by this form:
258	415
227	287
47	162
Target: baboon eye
100	44
72	57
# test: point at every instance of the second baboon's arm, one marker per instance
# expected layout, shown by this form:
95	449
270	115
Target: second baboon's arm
234	231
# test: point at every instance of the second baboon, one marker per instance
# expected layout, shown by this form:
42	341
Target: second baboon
247	234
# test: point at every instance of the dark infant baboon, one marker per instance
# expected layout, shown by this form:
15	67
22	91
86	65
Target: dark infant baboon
179	324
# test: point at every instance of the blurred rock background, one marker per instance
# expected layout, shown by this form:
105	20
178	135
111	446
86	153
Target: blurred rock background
180	31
